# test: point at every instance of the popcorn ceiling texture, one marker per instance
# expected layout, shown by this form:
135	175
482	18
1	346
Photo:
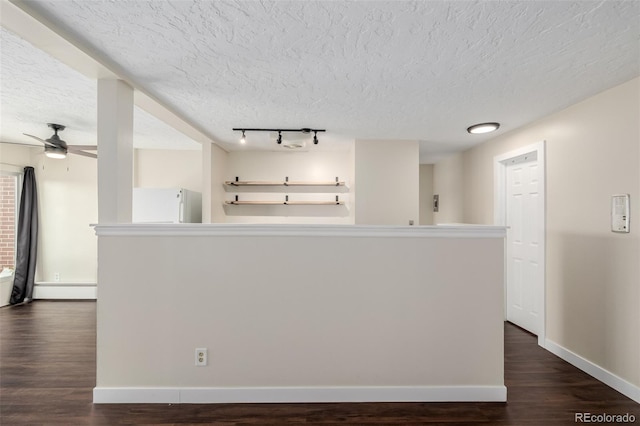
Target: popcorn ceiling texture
37	89
420	70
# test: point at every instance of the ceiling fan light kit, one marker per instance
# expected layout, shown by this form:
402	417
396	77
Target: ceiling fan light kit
55	152
54	147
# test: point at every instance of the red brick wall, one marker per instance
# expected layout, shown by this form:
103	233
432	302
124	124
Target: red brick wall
7	221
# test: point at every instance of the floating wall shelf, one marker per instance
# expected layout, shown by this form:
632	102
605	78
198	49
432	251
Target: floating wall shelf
286	182
286	202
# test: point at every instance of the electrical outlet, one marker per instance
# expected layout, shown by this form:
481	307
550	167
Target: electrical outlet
56	276
201	357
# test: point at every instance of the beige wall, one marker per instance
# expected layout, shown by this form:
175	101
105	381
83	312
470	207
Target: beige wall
593	275
426	194
165	168
298	166
387	179
447	183
67	194
315	307
67	203
213	194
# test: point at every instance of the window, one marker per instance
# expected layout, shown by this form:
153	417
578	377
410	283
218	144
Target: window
9	192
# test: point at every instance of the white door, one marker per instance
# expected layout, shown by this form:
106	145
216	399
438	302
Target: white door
524	254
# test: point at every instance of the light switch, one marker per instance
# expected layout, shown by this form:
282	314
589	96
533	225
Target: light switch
620	213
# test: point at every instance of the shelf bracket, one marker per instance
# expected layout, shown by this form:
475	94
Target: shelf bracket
286	199
286	181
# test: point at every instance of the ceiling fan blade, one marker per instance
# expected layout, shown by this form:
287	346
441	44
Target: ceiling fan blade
23	144
84	147
84	154
41	140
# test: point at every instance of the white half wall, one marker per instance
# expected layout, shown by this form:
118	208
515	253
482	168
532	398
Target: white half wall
312	312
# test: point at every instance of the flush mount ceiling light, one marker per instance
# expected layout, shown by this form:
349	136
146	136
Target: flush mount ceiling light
279	140
483	128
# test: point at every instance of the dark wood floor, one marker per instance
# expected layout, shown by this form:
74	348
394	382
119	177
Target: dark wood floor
47	373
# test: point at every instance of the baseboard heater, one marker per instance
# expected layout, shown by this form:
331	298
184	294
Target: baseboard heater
65	290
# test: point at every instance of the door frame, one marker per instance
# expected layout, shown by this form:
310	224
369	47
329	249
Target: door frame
500	163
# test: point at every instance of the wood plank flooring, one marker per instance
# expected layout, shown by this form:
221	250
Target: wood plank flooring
47	373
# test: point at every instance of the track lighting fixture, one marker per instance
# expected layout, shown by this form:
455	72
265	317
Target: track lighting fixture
279	139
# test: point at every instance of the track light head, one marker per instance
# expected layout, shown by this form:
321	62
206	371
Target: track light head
243	139
315	137
279	137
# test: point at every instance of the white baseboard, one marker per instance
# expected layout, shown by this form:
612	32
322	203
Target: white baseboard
109	395
608	378
58	290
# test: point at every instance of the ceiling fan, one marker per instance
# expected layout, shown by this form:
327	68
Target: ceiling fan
54	147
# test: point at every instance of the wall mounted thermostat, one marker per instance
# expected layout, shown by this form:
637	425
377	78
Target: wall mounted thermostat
620	213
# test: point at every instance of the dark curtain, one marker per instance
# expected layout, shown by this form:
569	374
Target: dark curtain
27	240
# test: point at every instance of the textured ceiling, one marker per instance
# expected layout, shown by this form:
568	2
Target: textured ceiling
37	89
417	70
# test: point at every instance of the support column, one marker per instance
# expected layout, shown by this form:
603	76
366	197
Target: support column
115	151
206	182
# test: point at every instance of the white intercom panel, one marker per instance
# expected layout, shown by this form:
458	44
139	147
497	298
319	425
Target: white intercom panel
620	213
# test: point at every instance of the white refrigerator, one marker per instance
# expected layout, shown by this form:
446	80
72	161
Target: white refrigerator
166	205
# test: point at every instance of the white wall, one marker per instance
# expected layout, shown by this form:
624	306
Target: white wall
68	203
387	178
593	275
426	194
167	168
218	160
315	308
67	192
298	166
16	157
448	184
